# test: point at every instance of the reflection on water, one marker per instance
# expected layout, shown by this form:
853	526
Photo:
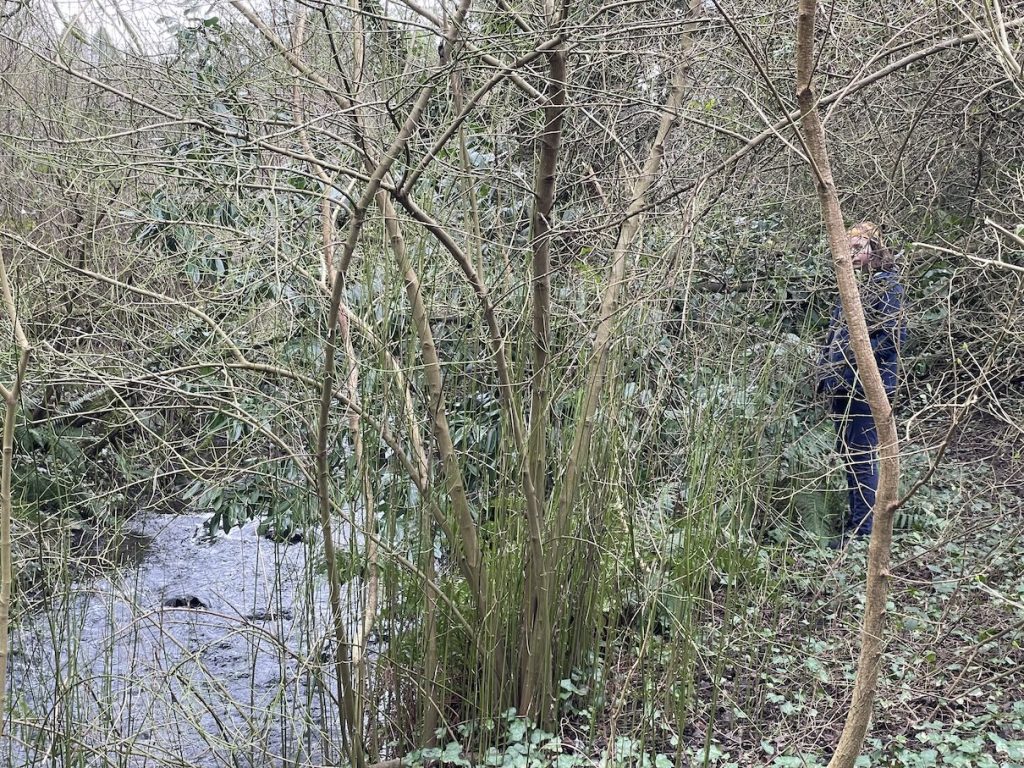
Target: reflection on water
191	653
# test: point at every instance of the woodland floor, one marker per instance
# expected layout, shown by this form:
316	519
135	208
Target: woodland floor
951	688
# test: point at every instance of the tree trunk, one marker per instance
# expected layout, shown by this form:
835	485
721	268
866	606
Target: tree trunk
813	134
536	700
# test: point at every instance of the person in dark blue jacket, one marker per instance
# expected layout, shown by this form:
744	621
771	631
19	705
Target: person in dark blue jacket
857	443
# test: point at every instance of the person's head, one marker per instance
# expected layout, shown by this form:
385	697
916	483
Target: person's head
866	247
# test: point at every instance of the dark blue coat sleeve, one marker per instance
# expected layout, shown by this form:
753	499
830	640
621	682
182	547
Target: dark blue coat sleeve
887	327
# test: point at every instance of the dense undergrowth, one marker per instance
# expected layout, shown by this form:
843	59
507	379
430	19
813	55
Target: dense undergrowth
527	331
751	662
773	658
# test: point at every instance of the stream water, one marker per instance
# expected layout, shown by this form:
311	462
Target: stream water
201	653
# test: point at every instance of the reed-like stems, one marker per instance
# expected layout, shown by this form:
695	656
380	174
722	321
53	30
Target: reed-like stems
11	394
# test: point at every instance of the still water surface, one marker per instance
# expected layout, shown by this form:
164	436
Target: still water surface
191	652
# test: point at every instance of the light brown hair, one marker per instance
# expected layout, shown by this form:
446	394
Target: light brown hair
881	257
